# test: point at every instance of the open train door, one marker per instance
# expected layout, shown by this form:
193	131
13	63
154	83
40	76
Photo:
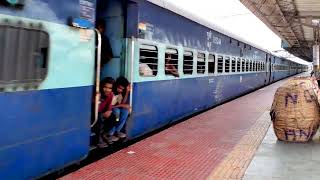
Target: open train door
268	69
119	22
110	24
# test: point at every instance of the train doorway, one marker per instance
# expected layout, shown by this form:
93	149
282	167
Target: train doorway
111	18
112	14
268	69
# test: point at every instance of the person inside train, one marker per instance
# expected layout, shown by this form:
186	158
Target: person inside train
145	70
170	68
106	50
106	118
120	108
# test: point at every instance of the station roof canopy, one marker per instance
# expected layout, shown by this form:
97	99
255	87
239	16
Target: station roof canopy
296	22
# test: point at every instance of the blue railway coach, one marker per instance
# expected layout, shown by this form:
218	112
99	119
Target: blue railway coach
48	67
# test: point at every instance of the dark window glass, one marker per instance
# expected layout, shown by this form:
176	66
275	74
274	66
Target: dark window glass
247	65
220	64
23	56
233	65
227	65
243	65
211	63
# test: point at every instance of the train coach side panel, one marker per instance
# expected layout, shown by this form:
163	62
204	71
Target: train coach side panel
158	103
43	130
45	127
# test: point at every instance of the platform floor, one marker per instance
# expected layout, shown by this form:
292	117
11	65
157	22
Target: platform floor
285	161
217	144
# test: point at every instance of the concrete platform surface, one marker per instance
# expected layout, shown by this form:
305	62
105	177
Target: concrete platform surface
285	161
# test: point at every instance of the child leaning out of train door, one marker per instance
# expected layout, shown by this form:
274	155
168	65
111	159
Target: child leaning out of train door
106	117
120	108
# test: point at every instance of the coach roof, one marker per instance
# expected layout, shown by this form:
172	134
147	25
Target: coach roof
203	22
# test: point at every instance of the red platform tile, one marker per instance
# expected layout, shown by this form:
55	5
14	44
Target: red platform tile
189	150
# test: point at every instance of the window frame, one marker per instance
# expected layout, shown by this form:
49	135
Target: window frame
214	63
177	60
157	69
183	66
238	69
227	58
233	65
205	60
247	65
220	57
243	65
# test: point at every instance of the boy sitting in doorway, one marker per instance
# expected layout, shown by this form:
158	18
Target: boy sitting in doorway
106	117
120	108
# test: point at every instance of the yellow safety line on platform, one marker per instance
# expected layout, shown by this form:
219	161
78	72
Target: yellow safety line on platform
234	166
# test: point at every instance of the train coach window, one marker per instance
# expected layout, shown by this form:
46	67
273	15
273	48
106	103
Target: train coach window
24	56
211	63
171	62
238	65
233	65
227	65
148	64
243	65
260	66
220	64
251	66
247	65
188	62
201	63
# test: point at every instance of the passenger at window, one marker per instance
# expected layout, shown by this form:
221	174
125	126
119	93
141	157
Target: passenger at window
145	70
120	108
170	68
106	51
106	118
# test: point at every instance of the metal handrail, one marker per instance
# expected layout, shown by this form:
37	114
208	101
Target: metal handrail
98	64
131	72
